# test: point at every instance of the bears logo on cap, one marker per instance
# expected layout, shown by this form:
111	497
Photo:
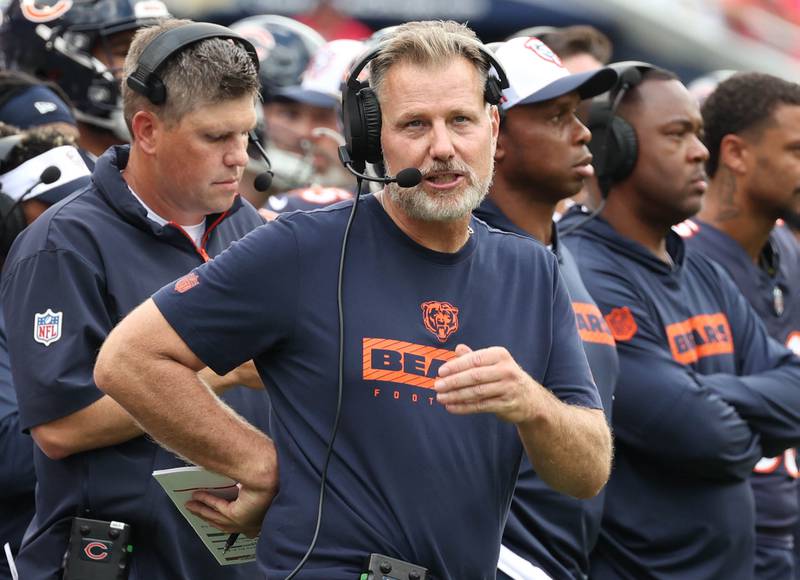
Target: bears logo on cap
543	51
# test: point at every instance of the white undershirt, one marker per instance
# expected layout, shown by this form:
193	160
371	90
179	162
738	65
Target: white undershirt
195	232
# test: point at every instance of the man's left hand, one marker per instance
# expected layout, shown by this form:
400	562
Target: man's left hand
488	380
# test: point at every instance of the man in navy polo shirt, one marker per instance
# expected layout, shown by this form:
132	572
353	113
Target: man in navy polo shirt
752	131
459	347
542	158
152	212
703	391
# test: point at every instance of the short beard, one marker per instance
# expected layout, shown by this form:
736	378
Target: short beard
417	204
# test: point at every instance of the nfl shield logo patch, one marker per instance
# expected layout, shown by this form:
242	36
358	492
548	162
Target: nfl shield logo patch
47	327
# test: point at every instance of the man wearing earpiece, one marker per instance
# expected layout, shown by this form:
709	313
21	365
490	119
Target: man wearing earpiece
542	158
459	352
153	210
703	391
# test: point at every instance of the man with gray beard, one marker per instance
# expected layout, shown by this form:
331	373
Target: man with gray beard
457	350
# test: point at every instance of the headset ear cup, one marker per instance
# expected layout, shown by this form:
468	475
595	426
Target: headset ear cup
157	91
361	117
623	150
371	112
598	120
614	145
351	123
492	93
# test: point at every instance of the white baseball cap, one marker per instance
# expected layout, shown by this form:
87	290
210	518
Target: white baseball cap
322	80
535	74
27	179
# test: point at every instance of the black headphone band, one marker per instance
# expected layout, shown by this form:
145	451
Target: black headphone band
354	84
144	80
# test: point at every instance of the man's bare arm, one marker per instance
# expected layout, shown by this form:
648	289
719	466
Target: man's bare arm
105	423
568	446
147	368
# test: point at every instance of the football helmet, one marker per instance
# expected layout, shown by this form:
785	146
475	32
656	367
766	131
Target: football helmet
54	39
284	47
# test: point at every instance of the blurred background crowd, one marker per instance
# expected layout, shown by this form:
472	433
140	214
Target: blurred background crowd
689	37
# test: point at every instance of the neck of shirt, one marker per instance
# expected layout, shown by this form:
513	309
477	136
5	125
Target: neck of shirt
195	231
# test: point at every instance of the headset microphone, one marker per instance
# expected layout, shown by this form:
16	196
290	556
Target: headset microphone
408	177
262	180
51	174
13	219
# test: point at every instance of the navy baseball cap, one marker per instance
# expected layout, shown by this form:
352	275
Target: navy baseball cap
35	106
535	74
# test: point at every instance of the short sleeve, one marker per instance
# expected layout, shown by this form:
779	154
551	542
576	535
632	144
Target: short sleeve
240	304
56	320
568	374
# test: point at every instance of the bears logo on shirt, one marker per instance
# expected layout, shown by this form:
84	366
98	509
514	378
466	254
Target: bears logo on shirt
441	318
187	283
700	336
622	323
592	327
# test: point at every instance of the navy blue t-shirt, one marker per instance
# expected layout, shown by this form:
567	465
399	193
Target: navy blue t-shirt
407	478
17	478
703	393
69	278
773	290
551	530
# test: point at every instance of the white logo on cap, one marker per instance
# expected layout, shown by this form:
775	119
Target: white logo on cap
543	51
45	107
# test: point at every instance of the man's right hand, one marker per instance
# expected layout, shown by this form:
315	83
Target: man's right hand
242	515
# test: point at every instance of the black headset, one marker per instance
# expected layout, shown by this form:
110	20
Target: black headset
145	80
615	148
12	218
361	112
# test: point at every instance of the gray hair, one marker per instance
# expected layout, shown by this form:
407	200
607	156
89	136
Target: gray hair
207	72
427	43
